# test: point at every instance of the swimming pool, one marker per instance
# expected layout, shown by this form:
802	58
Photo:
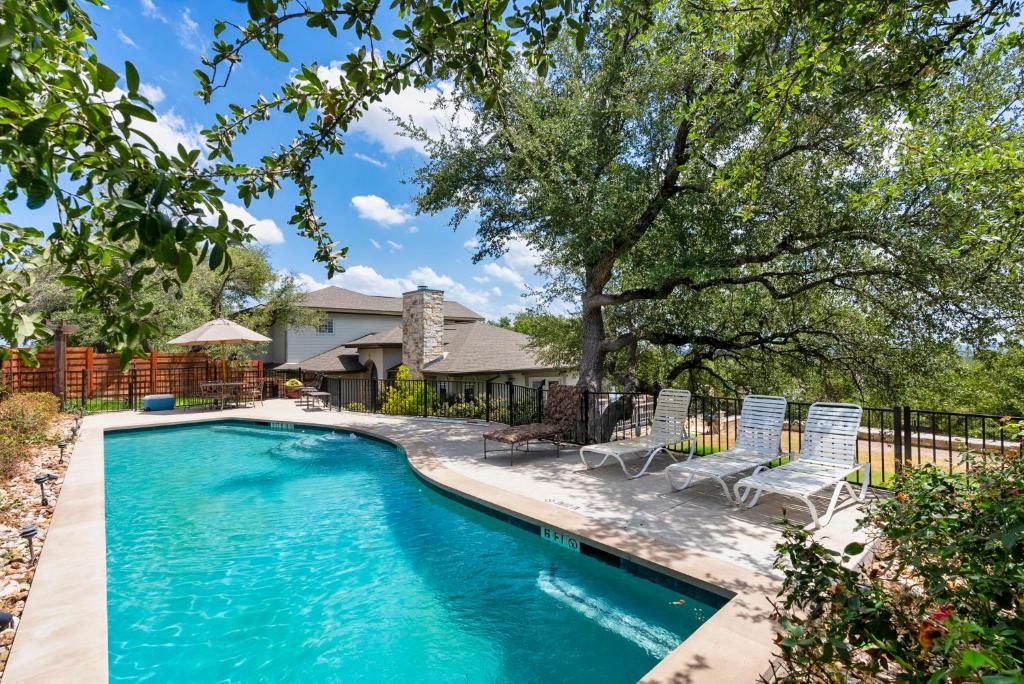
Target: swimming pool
244	552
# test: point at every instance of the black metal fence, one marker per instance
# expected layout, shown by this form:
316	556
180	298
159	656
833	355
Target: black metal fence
891	438
111	390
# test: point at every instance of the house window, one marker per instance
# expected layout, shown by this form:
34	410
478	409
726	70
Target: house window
326	328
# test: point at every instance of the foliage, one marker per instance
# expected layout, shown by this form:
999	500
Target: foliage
684	201
246	290
355	406
293	383
406	397
24	422
74	140
940	601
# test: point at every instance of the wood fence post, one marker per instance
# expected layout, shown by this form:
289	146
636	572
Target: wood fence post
153	357
88	370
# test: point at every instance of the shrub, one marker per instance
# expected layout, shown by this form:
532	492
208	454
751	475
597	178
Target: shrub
294	383
407	397
942	599
355	406
24	421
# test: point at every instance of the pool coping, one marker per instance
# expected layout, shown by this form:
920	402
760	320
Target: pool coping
62	636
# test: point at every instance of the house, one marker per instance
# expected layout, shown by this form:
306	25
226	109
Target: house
369	337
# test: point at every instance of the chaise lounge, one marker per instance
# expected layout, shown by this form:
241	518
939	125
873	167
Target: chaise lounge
669	426
828	455
560	417
758	439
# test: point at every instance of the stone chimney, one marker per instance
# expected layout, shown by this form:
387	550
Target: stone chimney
422	328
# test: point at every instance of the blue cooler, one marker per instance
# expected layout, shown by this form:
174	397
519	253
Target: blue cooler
158	402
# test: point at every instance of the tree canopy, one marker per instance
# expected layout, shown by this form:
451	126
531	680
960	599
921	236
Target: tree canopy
684	201
71	136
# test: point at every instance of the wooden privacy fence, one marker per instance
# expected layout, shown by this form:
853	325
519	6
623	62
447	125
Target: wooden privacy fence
94	380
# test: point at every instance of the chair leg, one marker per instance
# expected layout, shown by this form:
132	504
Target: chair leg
741	498
814	511
831	504
672	484
647	464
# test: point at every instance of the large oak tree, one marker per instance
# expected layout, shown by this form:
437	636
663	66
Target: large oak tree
692	189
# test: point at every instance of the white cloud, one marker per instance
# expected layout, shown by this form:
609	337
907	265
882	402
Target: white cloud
375	243
496	290
429	108
188	32
149	9
265	231
471	243
378	209
521	256
481	279
369	160
395	246
171	129
505	273
365	279
413	230
303	280
126	39
153	93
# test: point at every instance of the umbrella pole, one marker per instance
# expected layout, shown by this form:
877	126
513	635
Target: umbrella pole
224	361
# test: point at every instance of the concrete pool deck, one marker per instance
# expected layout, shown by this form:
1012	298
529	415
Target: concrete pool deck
693	534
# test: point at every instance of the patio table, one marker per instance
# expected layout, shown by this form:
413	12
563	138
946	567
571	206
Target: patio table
223	390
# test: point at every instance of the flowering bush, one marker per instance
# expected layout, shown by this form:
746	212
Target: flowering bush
293	384
941	601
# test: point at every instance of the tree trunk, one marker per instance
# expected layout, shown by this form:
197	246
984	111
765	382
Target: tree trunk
593	353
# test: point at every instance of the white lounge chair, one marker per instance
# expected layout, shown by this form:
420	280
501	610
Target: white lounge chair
828	455
669	426
758	438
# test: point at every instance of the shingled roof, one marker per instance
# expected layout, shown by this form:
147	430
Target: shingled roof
470	348
332	298
343	359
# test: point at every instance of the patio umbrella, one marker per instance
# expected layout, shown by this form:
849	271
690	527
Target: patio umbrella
219	331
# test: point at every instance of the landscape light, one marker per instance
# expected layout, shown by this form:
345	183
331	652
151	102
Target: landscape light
41	479
62	445
28	533
6	620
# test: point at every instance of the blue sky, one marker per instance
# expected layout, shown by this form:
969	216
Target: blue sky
361	194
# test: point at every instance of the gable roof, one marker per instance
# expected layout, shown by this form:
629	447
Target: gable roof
470	348
335	298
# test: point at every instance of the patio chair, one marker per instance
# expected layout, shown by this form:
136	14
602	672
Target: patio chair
758	438
250	393
828	455
669	426
560	417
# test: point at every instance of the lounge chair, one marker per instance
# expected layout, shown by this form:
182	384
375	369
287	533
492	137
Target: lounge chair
669	426
828	455
758	438
560	417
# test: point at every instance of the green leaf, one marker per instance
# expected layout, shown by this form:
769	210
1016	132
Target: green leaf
184	266
106	78
32	133
853	549
38	192
131	75
216	256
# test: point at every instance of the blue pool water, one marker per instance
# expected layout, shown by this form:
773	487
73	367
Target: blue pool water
240	553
